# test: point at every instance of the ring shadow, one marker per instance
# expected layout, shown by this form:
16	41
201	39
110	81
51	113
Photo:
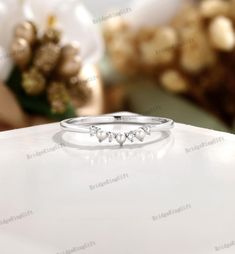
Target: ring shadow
58	139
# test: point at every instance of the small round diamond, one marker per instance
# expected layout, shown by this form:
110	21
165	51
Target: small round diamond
111	136
93	131
130	136
140	134
147	129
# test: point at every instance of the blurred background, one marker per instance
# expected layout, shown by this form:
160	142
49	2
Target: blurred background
171	58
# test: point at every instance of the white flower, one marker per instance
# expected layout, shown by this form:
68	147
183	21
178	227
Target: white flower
73	19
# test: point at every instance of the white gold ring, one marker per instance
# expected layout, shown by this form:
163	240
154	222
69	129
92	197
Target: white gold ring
92	125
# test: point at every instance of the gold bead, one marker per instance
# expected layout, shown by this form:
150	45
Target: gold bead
80	90
33	82
58	97
26	30
21	52
69	67
222	34
47	57
70	50
195	50
52	35
174	82
212	8
84	93
163	44
58	107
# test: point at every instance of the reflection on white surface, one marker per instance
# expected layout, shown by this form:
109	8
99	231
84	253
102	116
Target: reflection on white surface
86	149
55	186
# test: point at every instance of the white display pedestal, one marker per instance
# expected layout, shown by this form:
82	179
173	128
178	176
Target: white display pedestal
174	196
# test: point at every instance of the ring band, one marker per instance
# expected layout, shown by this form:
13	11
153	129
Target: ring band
90	125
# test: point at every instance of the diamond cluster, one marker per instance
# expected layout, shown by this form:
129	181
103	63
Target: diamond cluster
120	138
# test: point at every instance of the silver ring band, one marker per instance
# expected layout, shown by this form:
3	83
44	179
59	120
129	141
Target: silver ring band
91	125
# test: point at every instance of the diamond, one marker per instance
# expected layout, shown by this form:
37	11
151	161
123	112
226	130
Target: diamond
111	136
130	136
140	134
93	130
147	129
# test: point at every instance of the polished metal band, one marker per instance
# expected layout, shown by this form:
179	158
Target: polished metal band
90	125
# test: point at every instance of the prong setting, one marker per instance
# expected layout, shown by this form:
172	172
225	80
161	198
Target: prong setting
130	136
101	135
140	134
96	126
147	129
121	138
111	136
93	130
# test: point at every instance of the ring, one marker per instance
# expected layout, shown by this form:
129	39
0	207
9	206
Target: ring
91	125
